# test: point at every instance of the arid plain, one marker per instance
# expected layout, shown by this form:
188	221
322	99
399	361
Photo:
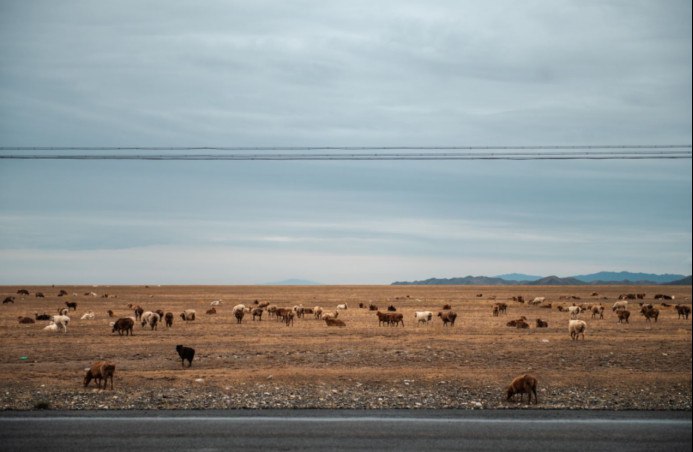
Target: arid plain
266	364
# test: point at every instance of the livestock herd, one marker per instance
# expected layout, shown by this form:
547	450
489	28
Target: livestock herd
102	371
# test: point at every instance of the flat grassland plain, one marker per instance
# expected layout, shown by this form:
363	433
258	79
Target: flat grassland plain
267	364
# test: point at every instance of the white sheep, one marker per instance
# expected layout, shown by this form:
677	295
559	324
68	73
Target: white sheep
342	306
89	315
577	328
150	318
61	321
574	311
215	303
240	307
53	327
423	316
620	305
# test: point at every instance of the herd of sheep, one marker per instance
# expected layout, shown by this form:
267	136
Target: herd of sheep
102	371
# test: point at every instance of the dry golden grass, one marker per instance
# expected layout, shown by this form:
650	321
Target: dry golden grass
478	350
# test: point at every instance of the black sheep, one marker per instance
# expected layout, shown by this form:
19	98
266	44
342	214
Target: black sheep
185	353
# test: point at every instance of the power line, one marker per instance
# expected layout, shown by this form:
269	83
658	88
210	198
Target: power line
559	152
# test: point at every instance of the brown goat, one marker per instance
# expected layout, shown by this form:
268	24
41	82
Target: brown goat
649	312
542	323
682	310
623	315
448	317
211	311
523	384
100	371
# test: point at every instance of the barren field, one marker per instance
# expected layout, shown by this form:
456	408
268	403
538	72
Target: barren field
266	364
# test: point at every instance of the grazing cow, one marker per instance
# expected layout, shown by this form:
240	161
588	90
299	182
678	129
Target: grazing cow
185	353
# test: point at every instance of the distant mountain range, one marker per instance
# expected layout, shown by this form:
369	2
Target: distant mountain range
601	278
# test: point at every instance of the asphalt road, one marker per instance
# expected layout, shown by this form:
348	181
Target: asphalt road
325	430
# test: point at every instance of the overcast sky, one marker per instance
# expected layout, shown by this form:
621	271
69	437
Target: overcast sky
348	73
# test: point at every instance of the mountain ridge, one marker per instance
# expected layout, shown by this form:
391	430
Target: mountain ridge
599	278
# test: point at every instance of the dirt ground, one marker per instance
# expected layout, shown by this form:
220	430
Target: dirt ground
266	364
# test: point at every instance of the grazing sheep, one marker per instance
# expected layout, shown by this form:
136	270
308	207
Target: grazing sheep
342	306
620	305
649	312
502	307
168	318
89	315
574	311
660	296
577	328
390	318
257	312
123	325
682	310
211	311
217	302
71	305
623	315
542	323
598	311
23	319
317	312
138	312
239	307
151	318
188	315
448	317
9	299
423	317
523	384
289	318
329	321
100	371
185	353
239	315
